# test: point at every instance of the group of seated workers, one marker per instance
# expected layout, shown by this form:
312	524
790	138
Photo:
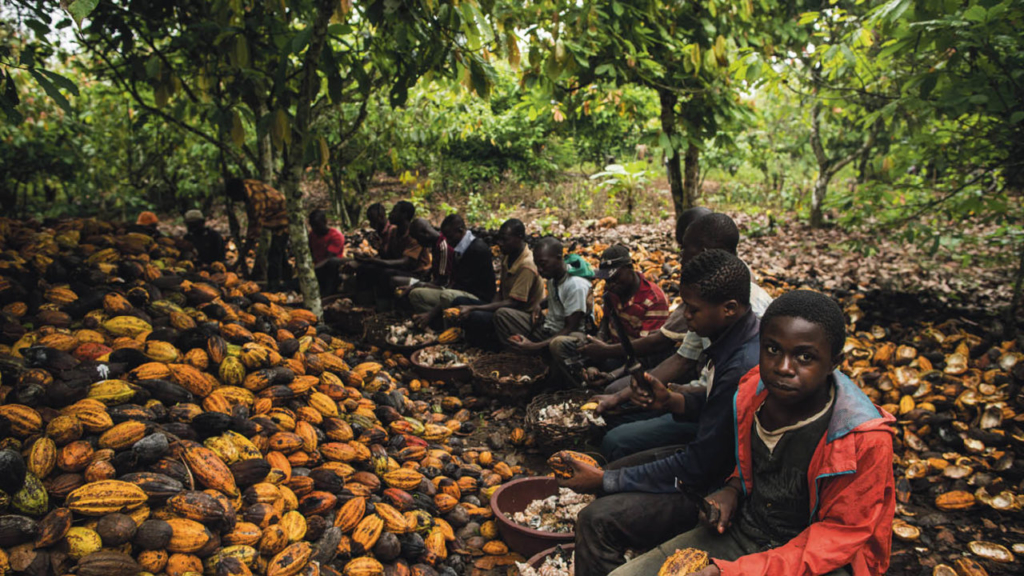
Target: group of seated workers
742	437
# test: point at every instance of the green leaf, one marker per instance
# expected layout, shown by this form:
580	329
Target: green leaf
62	82
666	145
617	8
1016	117
51	90
300	40
79	9
976	13
38	27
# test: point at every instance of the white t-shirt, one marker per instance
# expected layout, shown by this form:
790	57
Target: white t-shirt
570	296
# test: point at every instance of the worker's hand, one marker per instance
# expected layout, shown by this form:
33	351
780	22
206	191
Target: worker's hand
586	479
422	320
595	348
402	291
656	398
725	501
536	315
598	379
605	402
465	310
523	345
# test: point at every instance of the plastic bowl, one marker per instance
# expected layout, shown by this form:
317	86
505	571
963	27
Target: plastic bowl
515	497
448	374
537	559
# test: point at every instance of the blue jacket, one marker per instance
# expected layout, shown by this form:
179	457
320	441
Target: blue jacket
708	459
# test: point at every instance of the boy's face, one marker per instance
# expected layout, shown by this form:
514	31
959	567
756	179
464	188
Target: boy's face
454	234
796	359
377	220
708	320
690	247
548	262
509	243
621	282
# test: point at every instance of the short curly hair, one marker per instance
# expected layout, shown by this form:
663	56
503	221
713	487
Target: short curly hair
815	308
715	230
718	276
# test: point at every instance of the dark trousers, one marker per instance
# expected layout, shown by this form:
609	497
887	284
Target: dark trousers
615	523
646	432
373	285
278	269
479	326
327	276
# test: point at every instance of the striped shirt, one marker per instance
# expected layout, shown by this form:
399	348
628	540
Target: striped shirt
645	312
265	207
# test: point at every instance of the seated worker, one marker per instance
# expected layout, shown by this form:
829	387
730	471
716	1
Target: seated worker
327	246
639	303
402	256
642	504
442	255
472	274
639	431
520	288
382	228
665	339
559	333
813	491
266	229
207	242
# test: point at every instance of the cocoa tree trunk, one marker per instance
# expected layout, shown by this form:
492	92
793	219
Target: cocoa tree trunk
291	175
818	198
668	126
691	176
829	167
264	147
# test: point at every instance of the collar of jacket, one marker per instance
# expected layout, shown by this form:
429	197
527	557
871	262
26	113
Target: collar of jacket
852	408
742	330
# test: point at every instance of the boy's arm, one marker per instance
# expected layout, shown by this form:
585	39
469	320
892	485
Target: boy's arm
856	515
706	460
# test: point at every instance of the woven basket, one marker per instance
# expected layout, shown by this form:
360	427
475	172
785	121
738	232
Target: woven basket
553	436
351	322
507	364
376	332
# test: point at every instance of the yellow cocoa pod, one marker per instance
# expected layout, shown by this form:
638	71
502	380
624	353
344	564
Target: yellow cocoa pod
105	497
683	562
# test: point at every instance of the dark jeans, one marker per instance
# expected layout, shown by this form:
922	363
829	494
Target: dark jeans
327	276
373	284
479	326
615	523
649	430
278	269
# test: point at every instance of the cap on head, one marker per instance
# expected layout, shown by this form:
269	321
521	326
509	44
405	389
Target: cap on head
147	218
194	215
613	258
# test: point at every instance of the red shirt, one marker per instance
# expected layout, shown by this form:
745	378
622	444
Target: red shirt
645	312
327	246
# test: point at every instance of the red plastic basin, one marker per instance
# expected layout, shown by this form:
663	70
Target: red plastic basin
515	497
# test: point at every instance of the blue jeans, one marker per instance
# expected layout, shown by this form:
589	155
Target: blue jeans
637	436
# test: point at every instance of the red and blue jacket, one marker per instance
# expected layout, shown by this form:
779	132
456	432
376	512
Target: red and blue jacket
852	490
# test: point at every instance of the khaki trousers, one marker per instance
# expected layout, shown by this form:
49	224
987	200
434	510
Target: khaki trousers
426	299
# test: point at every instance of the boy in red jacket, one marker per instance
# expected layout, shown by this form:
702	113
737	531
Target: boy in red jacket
813	490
